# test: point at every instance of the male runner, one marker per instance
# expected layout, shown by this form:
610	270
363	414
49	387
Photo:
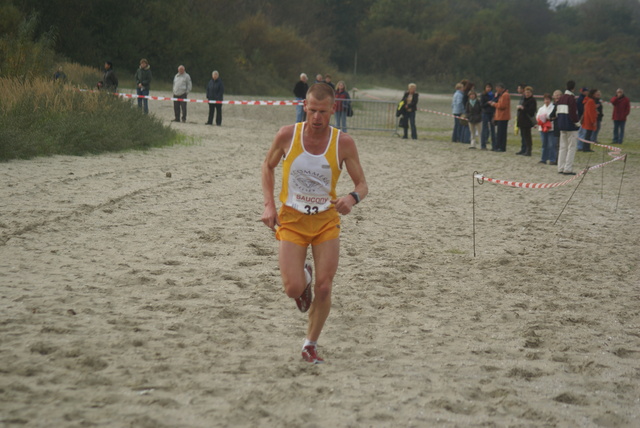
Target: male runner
313	155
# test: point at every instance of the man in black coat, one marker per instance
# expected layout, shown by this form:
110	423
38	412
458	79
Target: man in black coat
215	92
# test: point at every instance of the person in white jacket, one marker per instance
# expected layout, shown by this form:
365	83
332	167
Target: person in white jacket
181	88
545	125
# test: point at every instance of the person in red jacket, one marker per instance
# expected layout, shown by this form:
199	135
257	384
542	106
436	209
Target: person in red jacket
589	118
621	109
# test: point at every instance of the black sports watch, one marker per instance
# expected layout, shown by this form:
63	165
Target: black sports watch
355	196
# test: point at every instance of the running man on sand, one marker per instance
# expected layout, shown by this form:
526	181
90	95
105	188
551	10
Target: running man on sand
313	155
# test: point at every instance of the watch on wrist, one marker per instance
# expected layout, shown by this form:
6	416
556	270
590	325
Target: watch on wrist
356	196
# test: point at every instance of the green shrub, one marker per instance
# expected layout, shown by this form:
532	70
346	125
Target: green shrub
41	118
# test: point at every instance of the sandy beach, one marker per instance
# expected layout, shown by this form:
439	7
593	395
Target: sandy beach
133	299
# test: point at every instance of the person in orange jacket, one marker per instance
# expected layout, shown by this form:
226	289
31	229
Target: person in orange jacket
501	116
589	118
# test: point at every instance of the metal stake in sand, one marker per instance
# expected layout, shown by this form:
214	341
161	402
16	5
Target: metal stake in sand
621	178
473	199
602	183
572	193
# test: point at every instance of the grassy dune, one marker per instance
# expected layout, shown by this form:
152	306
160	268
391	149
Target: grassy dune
44	118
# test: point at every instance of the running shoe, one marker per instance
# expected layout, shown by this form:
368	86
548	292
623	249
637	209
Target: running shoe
310	355
304	301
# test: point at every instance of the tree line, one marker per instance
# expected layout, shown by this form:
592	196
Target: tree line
260	46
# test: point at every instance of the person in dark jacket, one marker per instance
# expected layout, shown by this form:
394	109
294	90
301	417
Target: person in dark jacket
527	119
488	127
523	144
554	119
567	119
473	111
59	76
143	83
598	100
408	111
300	92
109	80
215	92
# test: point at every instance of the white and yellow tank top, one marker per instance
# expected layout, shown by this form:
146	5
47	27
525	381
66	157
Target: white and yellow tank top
309	181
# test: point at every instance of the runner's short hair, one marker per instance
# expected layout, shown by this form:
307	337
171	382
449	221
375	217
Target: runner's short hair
321	91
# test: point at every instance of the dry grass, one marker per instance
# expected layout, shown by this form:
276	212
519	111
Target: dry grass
81	76
40	117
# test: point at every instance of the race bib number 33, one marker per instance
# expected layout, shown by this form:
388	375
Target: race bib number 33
311	204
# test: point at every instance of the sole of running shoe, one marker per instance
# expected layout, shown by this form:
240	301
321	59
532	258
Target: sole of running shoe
304	301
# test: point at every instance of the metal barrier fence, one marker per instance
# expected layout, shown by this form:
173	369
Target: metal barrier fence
372	115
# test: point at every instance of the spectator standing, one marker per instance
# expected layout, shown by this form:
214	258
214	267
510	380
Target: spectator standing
143	83
467	86
580	104
503	113
567	120
621	109
527	119
181	88
343	106
554	119
319	78
473	110
409	106
589	119
545	124
457	109
300	92
598	100
488	128
215	92
59	76
109	79
523	144
327	80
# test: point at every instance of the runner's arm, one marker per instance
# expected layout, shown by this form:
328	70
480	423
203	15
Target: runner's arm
350	159
275	154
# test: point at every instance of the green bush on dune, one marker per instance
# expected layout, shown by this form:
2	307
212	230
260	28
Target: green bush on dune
42	118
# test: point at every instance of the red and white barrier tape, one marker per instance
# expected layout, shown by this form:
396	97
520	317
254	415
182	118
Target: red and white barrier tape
230	102
615	153
190	100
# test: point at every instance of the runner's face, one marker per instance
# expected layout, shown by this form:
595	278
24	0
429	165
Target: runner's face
318	111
